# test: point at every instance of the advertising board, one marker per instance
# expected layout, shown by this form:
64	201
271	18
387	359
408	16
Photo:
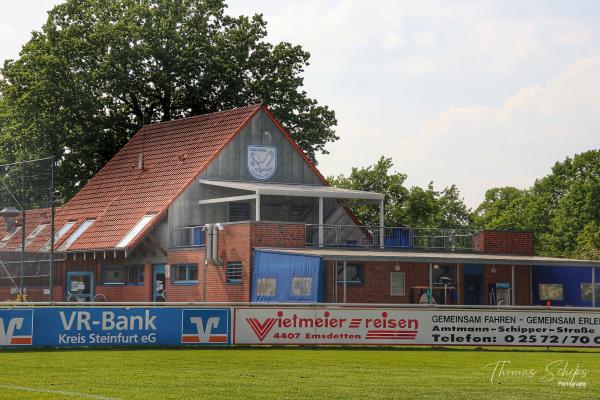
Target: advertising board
431	326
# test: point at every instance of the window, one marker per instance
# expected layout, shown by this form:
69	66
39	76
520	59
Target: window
397	284
234	273
114	275
61	232
301	286
586	292
142	223
135	274
551	291
32	235
185	274
266	287
354	274
239	212
123	274
75	235
7	237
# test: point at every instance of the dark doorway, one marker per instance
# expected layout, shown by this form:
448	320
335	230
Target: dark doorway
473	285
158	283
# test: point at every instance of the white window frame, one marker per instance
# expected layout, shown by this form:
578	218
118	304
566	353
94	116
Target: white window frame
395	273
8	236
85	225
61	232
137	228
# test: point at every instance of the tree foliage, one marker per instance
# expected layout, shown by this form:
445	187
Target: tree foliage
416	207
562	208
100	69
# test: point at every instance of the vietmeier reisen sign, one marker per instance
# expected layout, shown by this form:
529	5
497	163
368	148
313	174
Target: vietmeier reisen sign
381	326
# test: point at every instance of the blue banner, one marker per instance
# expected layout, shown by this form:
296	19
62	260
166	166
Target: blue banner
114	326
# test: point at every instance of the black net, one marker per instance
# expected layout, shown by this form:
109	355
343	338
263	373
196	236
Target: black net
26	198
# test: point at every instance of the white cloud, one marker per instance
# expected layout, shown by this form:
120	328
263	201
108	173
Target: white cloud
480	147
393	41
424	40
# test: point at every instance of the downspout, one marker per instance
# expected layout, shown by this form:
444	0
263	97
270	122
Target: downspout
208	229
215	245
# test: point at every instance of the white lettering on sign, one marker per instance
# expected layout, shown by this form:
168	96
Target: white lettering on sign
431	326
82	321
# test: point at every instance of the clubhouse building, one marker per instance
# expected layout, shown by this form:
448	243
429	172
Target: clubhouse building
225	207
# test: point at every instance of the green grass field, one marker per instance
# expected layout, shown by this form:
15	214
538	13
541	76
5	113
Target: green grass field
281	373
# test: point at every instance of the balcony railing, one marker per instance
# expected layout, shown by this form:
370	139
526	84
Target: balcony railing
190	236
393	237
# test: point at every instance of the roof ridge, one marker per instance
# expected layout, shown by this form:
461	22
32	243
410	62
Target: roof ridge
249	106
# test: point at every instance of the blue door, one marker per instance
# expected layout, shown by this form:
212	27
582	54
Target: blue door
159	280
80	286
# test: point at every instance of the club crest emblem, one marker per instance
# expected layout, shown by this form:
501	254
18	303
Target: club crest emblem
262	161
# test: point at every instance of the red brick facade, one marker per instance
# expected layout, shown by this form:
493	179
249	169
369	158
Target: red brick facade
236	244
505	242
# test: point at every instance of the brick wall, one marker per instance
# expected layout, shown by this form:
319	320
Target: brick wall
288	235
505	242
376	287
503	274
184	292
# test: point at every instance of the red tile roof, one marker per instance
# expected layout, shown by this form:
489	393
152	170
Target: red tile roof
33	219
120	194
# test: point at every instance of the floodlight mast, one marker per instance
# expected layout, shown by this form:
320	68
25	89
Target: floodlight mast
54	196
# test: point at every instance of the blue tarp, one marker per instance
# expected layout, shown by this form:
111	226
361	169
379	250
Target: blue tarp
281	278
398	237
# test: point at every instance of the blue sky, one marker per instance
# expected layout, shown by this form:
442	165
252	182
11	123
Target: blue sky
476	93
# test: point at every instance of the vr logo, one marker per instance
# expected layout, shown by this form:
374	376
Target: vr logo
205	326
16	327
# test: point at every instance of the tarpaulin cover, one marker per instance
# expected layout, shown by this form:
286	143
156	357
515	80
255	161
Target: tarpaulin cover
397	237
282	278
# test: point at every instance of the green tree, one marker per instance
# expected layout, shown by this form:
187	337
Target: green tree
100	69
376	178
502	208
562	208
416	207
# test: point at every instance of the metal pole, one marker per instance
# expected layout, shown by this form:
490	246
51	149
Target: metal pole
457	284
23	235
530	285
334	287
52	228
381	223
430	283
320	222
593	286
345	281
204	279
513	300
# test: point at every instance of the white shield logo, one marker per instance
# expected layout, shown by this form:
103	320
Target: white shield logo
262	161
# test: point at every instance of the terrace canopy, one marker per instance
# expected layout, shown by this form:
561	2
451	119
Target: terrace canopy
274	189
